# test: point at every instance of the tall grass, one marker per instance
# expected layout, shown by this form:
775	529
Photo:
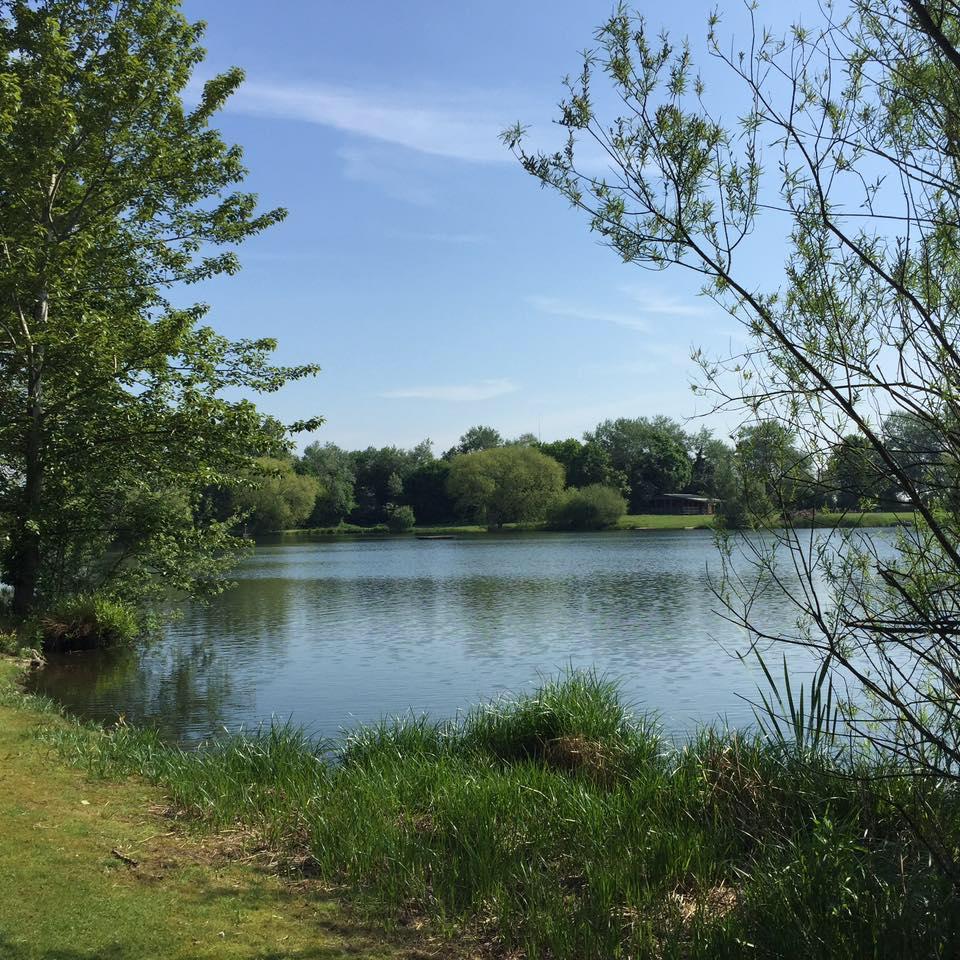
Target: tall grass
555	825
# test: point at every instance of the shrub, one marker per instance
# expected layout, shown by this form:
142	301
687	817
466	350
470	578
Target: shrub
10	644
592	508
86	622
400	518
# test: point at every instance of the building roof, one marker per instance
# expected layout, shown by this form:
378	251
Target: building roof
690	496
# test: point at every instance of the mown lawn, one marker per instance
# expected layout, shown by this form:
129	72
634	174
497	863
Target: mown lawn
67	894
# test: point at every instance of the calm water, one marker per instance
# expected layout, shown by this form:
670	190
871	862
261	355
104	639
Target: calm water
331	634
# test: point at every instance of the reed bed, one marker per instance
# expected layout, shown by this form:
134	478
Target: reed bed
557	825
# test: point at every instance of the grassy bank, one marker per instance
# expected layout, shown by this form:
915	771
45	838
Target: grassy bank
556	826
95	870
637	521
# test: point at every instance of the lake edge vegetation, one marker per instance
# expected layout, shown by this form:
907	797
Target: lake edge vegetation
555	824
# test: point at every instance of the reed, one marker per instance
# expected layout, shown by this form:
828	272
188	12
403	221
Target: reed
558	825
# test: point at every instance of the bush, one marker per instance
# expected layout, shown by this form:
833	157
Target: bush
86	622
10	644
592	508
400	519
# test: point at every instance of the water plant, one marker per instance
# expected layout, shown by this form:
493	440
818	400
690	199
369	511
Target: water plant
557	825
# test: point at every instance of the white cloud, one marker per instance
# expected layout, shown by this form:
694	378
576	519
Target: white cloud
562	308
458	127
457	393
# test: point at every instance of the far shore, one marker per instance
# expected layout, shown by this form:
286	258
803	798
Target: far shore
638	522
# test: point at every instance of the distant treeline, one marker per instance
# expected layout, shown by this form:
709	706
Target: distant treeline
622	465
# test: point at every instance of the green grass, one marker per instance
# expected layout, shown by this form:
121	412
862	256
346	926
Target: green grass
558	826
66	895
636	521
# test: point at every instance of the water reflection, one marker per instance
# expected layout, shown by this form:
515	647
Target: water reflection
330	634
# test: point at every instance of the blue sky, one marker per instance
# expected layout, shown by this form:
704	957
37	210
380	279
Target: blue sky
434	281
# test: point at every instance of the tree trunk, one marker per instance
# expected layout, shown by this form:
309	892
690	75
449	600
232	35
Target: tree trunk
26	547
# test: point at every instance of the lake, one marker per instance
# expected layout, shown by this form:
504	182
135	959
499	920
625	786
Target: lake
332	634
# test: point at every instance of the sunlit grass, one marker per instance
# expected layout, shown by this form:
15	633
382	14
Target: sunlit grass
558	824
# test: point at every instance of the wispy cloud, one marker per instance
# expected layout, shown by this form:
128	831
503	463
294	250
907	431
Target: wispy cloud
656	304
644	306
457	393
461	127
562	308
384	170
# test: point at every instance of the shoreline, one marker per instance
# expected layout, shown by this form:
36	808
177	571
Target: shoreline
628	523
639	848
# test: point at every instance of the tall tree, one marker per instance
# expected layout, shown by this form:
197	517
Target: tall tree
476	438
652	455
847	140
333	470
504	484
111	408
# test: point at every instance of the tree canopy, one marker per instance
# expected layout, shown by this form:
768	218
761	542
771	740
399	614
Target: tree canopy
844	150
114	413
504	484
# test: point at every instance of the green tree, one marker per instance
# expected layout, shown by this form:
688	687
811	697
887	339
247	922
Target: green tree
400	517
476	438
277	497
425	490
850	130
592	508
853	478
381	474
651	454
332	468
778	473
712	463
504	484
113	193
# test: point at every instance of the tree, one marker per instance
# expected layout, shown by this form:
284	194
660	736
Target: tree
504	484
331	467
425	490
652	454
712	462
381	475
853	478
850	132
476	438
592	508
277	498
113	415
400	518
778	472
920	454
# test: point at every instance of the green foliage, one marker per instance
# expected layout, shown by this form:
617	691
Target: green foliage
114	415
854	479
276	497
651	454
425	490
86	622
381	475
504	484
856	116
592	508
400	518
476	438
332	468
556	825
11	643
